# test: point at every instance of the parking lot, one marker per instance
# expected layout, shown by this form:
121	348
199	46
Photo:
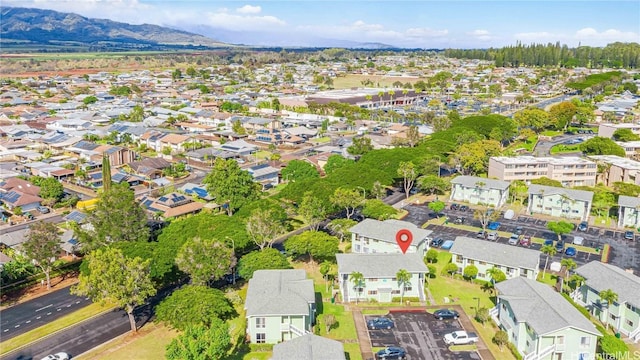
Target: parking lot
624	253
421	336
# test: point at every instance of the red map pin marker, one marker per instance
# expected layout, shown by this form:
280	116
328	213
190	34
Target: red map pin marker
404	238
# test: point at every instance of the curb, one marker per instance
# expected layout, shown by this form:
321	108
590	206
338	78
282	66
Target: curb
56	332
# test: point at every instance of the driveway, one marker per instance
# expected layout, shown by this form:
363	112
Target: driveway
421	335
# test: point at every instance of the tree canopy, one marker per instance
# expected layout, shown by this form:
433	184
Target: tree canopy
230	185
199	342
299	170
194	305
205	260
377	209
261	260
601	146
42	246
317	245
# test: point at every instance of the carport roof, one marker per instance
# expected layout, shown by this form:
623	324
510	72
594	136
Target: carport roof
380	265
600	276
541	307
496	253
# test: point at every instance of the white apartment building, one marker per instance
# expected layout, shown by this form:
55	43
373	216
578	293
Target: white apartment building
477	190
618	169
570	171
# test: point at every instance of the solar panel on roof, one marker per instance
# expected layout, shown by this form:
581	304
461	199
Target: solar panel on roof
154	209
76	216
118	177
11	197
147	203
200	192
163	199
73	241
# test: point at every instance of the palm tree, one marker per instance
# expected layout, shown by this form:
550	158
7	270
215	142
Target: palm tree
358	282
569	264
497	276
404	278
608	296
550	251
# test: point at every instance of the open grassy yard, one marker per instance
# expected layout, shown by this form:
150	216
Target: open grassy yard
467	295
149	343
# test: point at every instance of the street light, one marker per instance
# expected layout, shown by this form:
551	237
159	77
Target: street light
478	306
439	162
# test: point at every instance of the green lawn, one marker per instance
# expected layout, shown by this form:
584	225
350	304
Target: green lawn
150	343
527	144
561	148
551	133
467	295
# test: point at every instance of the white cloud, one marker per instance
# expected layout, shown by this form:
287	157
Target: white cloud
482	35
237	22
248	9
591	35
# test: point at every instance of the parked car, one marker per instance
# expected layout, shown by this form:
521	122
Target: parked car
525	241
560	246
519	230
481	234
464	208
492	236
392	353
583	226
460	338
571	251
380	323
494	225
446	314
460	220
454	206
629	235
548	242
43	209
57	356
578	240
514	239
437	242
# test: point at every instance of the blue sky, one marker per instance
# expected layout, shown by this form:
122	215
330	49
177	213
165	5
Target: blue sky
422	24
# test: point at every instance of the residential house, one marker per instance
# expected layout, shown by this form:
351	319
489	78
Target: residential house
624	313
309	347
239	147
617	169
541	324
117	155
379	272
265	175
628	211
19	185
560	202
477	190
570	171
171	205
631	148
150	168
374	236
514	261
175	142
16	192
280	306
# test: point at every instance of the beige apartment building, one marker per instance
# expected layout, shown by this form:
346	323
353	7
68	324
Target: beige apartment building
607	129
570	171
617	169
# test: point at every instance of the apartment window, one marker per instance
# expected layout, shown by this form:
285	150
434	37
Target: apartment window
585	341
504	306
629	323
612	317
260	323
357	248
560	340
372	292
373	279
471	262
395	292
408	288
482	263
481	275
261	338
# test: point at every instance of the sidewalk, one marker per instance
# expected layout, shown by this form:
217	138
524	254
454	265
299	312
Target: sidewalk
363	333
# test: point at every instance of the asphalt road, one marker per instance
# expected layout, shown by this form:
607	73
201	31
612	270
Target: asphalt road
78	339
27	316
6	228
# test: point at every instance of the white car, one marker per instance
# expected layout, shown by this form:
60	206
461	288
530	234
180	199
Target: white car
57	356
492	236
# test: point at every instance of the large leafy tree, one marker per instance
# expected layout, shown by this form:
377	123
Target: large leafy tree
377	209
194	305
117	217
601	146
205	260
408	172
349	199
560	228
312	210
42	247
199	342
360	146
562	114
117	279
432	184
50	189
534	118
625	135
317	245
230	185
335	162
261	260
341	227
474	157
299	170
263	226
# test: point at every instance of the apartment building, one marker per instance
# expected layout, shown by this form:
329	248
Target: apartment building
570	171
629	211
617	169
631	148
560	202
477	190
607	129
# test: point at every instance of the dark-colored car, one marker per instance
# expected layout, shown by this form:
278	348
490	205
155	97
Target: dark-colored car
629	235
437	242
583	226
459	220
560	246
464	208
548	242
445	314
454	206
392	353
380	323
571	251
519	230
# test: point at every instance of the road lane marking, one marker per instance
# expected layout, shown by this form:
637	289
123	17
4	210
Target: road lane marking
78	302
48	313
17	326
58	309
42	308
38	317
69	305
5	330
28	321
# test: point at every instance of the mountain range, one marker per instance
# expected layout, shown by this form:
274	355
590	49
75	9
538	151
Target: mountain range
40	28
